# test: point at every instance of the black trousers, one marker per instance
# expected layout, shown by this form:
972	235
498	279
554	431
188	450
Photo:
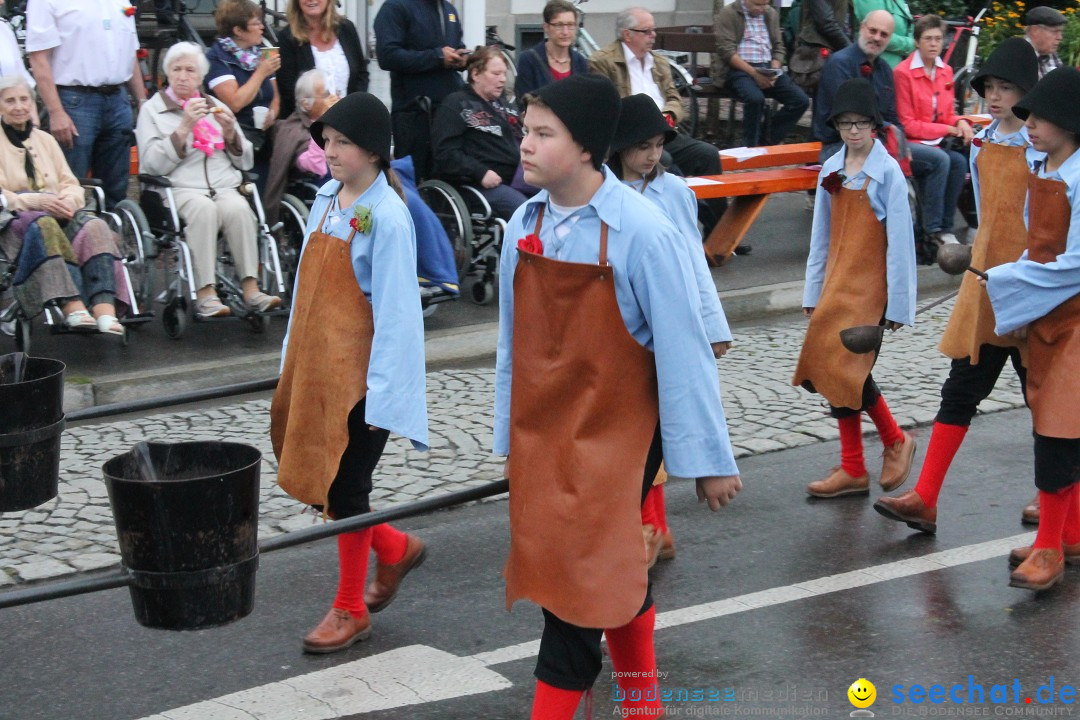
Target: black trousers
870	395
569	656
1057	462
968	385
350	493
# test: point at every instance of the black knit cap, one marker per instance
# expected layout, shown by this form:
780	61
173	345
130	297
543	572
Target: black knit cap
588	105
856	96
1051	101
362	118
1015	61
1043	15
639	119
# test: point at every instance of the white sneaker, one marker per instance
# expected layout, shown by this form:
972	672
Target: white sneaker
8	328
947	238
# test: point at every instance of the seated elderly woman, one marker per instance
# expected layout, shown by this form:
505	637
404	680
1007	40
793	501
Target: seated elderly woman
476	137
194	141
73	266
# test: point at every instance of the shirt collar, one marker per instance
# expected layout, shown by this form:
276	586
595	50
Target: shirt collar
1014	138
874	167
368	197
917	61
606	202
631	58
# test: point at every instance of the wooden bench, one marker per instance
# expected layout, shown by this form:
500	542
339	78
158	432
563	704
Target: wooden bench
774	156
748	192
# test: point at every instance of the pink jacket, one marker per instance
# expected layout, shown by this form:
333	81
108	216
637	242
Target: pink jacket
915	93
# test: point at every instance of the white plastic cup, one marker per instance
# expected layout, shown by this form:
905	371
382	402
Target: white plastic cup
259	114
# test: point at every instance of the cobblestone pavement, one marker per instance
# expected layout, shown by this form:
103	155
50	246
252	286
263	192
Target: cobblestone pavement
75	532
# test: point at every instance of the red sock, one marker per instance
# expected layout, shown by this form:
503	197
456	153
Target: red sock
648	508
1071	533
661	510
352	571
851	454
552	703
632	654
945	440
1053	508
388	543
887	428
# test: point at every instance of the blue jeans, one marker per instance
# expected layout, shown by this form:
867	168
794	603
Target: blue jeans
792	99
939	176
103	145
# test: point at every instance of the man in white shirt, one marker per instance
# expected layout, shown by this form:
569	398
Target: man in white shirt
82	53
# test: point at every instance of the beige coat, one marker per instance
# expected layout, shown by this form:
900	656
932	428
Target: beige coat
611	62
163	152
50	166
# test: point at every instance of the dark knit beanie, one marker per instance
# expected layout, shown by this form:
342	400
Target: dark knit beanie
362	118
856	96
1015	61
639	120
1055	98
588	105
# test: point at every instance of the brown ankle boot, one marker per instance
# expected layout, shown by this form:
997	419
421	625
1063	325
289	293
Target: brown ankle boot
337	631
388	577
896	465
1030	515
838	483
909	508
1042	569
1020	554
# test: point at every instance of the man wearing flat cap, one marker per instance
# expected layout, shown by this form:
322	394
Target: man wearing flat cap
1045	28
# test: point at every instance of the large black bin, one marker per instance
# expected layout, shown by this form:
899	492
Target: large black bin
31	422
189	535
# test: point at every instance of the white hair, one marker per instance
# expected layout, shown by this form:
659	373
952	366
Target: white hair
184	50
627	19
10	81
305	88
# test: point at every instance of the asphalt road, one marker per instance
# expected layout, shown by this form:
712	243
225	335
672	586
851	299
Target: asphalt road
744	612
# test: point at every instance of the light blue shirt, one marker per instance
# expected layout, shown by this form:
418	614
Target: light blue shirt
672	195
887	189
386	271
991	134
1023	291
660	304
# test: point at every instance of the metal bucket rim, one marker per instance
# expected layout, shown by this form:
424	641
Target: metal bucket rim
114	478
61	367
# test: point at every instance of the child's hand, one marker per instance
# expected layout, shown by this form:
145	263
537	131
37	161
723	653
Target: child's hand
719	349
718	490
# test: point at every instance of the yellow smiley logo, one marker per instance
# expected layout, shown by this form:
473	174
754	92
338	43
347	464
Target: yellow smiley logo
862	693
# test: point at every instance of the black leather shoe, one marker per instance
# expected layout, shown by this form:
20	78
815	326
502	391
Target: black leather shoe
743	249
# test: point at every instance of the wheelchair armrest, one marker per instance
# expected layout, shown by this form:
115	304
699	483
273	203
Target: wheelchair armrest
90	182
155	180
249	176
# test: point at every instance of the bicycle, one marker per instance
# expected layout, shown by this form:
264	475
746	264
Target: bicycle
963	46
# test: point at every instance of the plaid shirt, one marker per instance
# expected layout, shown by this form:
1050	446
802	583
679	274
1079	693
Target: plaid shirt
755	47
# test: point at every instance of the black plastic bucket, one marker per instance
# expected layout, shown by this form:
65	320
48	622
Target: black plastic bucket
188	536
31	422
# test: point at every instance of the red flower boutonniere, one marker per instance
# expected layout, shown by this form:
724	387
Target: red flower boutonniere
531	244
866	70
976	142
949	86
833	182
824	52
361	219
129	11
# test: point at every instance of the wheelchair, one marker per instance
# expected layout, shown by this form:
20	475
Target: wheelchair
134	266
291	226
155	226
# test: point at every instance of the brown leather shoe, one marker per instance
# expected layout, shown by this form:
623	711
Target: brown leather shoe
388	577
337	631
839	483
909	508
1042	570
1030	515
1020	554
896	465
667	550
654	540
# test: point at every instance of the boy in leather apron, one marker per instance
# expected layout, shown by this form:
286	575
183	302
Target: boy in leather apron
352	366
603	365
1038	297
860	271
1001	158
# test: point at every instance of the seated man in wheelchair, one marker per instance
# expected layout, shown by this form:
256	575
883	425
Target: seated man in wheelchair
58	251
194	141
476	137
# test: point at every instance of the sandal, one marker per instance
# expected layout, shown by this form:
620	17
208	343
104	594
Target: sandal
109	325
261	302
80	320
211	307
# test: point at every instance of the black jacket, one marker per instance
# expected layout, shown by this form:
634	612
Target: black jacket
534	73
471	137
825	23
410	36
297	58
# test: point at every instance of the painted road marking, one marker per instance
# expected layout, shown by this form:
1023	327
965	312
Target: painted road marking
419	674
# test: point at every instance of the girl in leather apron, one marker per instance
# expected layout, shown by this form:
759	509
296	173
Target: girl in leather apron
353	360
1038	298
1001	158
861	271
635	159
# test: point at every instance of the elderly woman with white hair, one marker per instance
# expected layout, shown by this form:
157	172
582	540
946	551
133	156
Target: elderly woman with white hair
193	140
61	254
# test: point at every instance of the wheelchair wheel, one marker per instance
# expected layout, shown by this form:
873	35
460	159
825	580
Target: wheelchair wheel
449	207
174	318
137	247
22	334
290	238
481	291
258	322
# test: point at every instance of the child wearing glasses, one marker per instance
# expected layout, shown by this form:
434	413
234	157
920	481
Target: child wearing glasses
861	271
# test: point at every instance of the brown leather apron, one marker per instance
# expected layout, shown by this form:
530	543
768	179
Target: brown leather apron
855	292
583	410
1054	339
325	373
1001	238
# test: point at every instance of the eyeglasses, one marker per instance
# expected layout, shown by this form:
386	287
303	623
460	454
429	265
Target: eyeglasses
255	24
849	124
643	31
562	27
